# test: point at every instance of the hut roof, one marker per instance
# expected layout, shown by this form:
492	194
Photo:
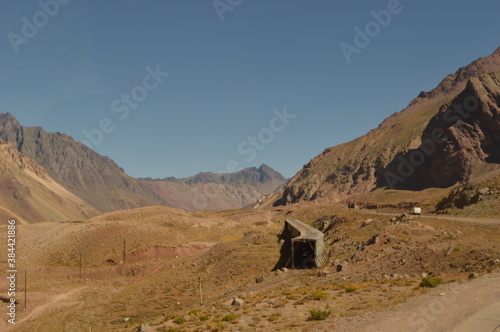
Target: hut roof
306	232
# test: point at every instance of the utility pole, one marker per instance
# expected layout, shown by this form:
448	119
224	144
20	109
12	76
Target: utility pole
201	292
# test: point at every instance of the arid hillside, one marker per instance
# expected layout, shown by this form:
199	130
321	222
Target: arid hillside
444	136
29	191
144	266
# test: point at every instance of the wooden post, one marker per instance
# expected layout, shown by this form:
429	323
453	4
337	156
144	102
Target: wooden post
201	292
80	274
124	250
25	288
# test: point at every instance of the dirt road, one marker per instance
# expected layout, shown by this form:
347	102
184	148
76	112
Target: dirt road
491	221
473	306
52	302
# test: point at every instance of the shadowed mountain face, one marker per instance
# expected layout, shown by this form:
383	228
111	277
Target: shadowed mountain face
103	185
462	136
444	136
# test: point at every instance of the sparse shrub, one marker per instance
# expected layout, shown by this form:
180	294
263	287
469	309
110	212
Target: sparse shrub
337	285
164	329
320	296
218	327
204	317
273	318
229	318
350	289
291	297
194	312
316	314
431	282
279	304
179	320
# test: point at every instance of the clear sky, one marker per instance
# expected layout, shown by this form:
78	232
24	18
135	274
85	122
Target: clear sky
249	81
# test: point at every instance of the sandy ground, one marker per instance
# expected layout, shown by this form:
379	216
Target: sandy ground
472	306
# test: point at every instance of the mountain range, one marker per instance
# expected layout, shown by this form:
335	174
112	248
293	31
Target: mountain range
445	136
97	184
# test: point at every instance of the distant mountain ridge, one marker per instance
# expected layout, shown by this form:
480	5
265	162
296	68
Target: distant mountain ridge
248	175
218	191
387	157
103	186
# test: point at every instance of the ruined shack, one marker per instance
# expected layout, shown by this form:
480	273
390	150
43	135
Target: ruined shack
302	246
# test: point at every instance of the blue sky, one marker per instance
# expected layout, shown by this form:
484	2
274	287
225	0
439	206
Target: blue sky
227	79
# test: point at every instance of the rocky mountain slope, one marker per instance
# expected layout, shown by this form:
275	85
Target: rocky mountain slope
29	191
94	178
218	191
444	136
102	184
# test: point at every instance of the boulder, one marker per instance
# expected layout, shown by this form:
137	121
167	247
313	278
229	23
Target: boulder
143	328
342	266
259	279
366	222
391	239
237	302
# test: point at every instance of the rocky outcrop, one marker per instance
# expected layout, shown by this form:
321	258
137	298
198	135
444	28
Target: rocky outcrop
464	195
